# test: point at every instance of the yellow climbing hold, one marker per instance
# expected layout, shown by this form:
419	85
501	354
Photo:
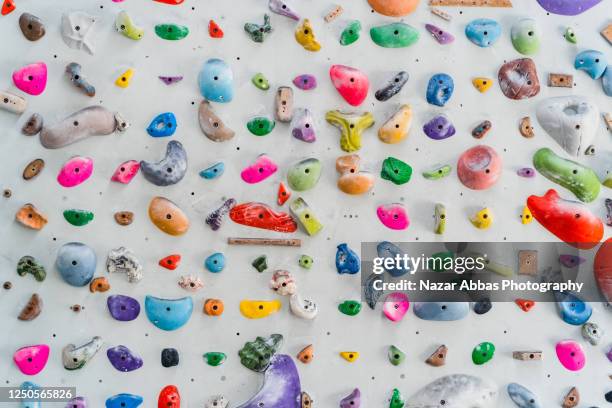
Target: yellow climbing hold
482	219
257	309
526	217
396	128
349	356
482	84
124	80
351	125
304	35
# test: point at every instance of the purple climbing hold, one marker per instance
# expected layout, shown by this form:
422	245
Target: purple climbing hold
215	218
571	261
123	359
169	80
440	35
568	7
123	308
302	126
439	128
353	400
305	82
77	402
526	172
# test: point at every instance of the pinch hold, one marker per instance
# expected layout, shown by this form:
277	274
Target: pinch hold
441	36
214	30
32	309
518	79
123	80
169	170
73	71
393	87
212	126
171	32
525	36
522	396
77	28
162	125
351	126
482	84
259	32
283	103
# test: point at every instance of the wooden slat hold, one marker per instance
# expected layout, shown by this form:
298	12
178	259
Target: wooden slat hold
527	355
440	13
265	241
333	14
607	33
471	3
560	80
608	119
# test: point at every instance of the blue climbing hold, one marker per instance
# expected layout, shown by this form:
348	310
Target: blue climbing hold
216	81
441	311
386	249
522	397
76	263
347	261
592	62
163	125
168	314
483	32
123	401
215	263
25	387
214	171
371	289
606	81
440	89
572	309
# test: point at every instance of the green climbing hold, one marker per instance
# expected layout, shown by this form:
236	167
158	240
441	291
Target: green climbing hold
396	171
396	356
441	261
261	125
171	32
260	263
397	401
351	33
570	36
260	81
214	358
437	172
305	261
394	35
27	264
256	355
305	216
304	175
350	307
483	353
577	178
78	218
525	36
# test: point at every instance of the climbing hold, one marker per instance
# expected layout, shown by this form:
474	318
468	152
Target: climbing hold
608	204
482	219
283	103
306	355
261	169
169	397
31	26
283	283
171	32
29	216
479	167
518	79
483	353
482	84
394	35
218	401
305	36
385	250
215	262
527	355
351	357
441	36
214	358
259	215
169	170
526	172
393	86
304	175
12	103
74	357
124	217
351	180
76	263
77	28
441	311
167	216
77	402
482	129
259	32
75	171
560	80
592	333
438	357
162	125
303	308
78	218
213	307
525	127
440	218
256	355
90	121
123	359
125	25
395	355
29	265
305	261
214	30
305	82
258	309
126	172
33	125
570	35
353	400
214	171
370	293
216	82
168	314
571	221
571	399
396	171
123	260
439	128
212	126
305	216
351	126
99	284
31	360
590	151
525	36
440	89
350	307
283	9
302	126
347	261
32	309
393	8
396	128
73	71
525	304
393	216
260	81
170	2
123	308
395	306
482	306
261	125
351	32
606	81
123	401
31	79
522	397
333	14
483	32
602	270
351	83
570	355
570	261
572	309
592	62
397	400
31	388
283	194
567	7
579	179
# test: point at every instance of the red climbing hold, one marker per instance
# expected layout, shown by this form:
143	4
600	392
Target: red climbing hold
602	268
8	7
214	30
171	2
170	262
283	194
259	215
169	397
351	83
525	304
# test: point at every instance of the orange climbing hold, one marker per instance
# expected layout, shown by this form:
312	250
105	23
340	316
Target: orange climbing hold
525	304
8	7
170	262
213	307
283	194
214	30
306	355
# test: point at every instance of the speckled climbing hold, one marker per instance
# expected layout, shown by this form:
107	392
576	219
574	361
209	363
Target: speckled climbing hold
260	81
33	125
99	284
353	400
126	26
29	265
351	357
394	35
579	179
256	355
31	26
571	221
259	32
482	129
75	358
123	308
123	359
482	219
592	62
526	172
162	125
482	84
370	294
571	399
218	401
283	194
479	167
31	360
12	103
305	82
592	333
213	307
351	126
171	32
213	172
169	170
32	309
73	71
259	215
483	32
77	28
77	217
261	169
261	125
483	353
441	36
351	180
570	261
258	309
283	283
351	83
395	306
282	8
395	355
303	308
567	7
75	171
482	306
214	358
123	260
396	171
440	89
304	175
525	36
439	128
168	314
305	216
169	397
215	263
212	126
350	307
31	79
304	35
29	216
306	355
518	79
396	128
90	121
347	261
167	216
351	32
76	263
441	311
124	217
302	125
393	86
283	104
216	82
572	309
393	216
522	397
214	30
525	304
570	355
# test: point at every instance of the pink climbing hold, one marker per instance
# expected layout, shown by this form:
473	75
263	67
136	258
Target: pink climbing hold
126	171
75	171
351	83
395	306
571	355
479	168
31	359
263	168
393	216
31	79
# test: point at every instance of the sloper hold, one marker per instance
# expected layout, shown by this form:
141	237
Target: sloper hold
76	263
167	216
32	78
74	72
12	103
169	170
77	28
169	397
168	314
212	126
571	355
567	7
351	126
394	35
282	8
126	26
525	35
258	309
441	311
351	83
572	309
31	360
75	171
479	167
304	175
216	81
171	32
281	386
518	79
261	169
394	8
438	357
483	353
353	400
396	128
78	217
123	308
123	401
259	215
31	26
483	32
522	397
75	358
457	391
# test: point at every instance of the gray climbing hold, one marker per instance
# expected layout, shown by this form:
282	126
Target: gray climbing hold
169	170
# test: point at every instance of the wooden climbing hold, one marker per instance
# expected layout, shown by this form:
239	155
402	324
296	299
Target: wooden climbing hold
560	80
608	119
30	217
525	304
32	309
213	307
471	3
284	104
33	168
527	355
350	356
333	14
214	30
265	241
528	262
306	355
525	127
440	13
607	33
124	217
438	357
571	399
99	284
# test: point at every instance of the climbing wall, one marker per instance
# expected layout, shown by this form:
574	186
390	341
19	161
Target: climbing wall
350	219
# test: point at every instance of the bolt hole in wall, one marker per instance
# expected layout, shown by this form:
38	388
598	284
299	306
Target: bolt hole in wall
480	345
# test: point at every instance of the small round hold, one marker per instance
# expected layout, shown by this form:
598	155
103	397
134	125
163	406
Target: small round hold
590	151
7	285
76	308
7	193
